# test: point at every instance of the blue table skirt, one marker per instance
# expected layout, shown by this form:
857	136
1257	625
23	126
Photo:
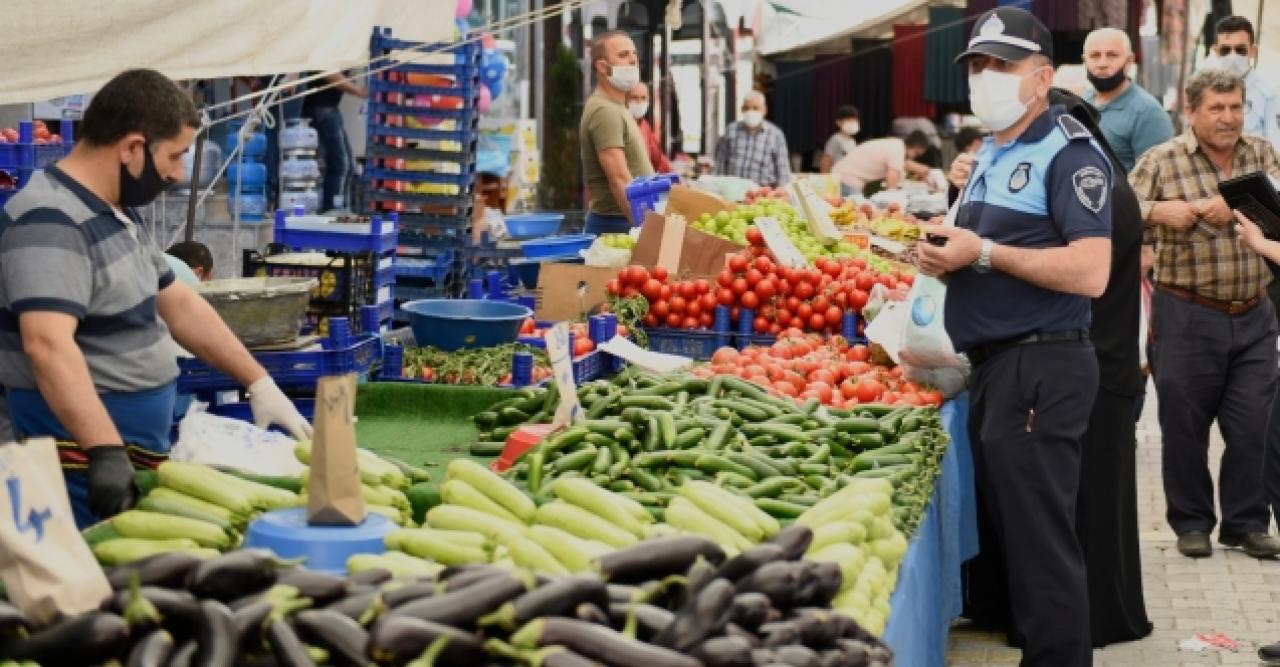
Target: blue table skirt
928	596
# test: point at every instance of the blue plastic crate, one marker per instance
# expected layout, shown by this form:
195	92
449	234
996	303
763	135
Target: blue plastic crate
288	369
380	238
243	411
645	192
533	225
435	268
695	344
553	246
26	155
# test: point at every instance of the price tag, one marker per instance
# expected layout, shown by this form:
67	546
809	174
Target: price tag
816	211
561	355
780	244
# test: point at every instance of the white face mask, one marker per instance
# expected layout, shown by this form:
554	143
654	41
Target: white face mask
753	118
638	109
995	98
849	127
624	77
1232	62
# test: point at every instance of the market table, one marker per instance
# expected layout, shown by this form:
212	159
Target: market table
928	596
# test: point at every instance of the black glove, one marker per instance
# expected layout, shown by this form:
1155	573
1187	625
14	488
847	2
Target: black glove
111	486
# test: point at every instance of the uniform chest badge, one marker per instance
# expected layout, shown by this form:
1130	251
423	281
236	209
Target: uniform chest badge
1020	177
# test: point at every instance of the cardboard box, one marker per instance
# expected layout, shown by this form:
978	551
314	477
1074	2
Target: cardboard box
692	203
683	251
570	291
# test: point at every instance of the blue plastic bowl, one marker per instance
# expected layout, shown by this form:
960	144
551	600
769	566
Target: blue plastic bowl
452	324
525	270
326	548
533	225
557	245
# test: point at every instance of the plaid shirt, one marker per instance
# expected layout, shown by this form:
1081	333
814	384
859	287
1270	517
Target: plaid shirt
760	156
1210	261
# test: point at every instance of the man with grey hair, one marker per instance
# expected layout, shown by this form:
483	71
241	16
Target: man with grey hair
1132	120
1214	350
753	148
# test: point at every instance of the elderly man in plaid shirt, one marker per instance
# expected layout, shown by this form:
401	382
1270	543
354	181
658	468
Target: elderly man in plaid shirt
1214	353
753	148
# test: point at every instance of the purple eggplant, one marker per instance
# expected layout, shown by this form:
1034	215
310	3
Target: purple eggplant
724	652
777	580
153	650
233	575
750	560
87	639
322	588
287	648
166	570
703	616
461	608
655	559
591	613
374	577
394	640
558	598
794	540
12	620
650	620
751	610
797	655
346	641
597	642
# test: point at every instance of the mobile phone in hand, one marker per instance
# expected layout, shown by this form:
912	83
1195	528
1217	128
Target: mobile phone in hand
936	239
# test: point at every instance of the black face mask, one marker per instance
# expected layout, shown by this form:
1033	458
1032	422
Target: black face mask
1108	84
141	190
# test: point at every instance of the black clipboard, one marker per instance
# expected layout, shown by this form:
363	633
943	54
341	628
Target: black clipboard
1255	196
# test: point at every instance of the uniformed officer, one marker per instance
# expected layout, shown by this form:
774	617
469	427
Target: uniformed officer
1031	247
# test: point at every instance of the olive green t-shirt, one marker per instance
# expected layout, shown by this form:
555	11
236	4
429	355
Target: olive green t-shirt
608	124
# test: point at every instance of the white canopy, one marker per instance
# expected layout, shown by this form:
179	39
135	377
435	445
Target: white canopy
797	24
53	48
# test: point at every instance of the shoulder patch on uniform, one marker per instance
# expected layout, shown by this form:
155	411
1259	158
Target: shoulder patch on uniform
1073	128
1091	187
1020	177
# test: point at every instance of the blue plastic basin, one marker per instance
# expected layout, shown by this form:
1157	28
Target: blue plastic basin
451	324
533	225
326	548
525	270
557	245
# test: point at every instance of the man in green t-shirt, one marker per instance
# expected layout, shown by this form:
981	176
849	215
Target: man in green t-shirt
613	151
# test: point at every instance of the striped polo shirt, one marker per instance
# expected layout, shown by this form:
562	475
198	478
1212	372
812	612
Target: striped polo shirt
63	249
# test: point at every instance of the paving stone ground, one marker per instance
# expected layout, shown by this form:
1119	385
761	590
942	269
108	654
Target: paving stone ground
1228	593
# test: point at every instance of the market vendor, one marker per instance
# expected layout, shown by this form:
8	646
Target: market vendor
87	301
753	148
1031	247
842	140
613	150
888	160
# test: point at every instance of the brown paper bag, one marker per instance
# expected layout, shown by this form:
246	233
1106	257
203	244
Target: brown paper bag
571	291
680	249
47	568
333	490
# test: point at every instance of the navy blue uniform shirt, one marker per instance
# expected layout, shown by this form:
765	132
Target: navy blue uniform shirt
1047	188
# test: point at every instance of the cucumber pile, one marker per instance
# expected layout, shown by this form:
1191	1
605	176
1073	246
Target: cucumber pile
677	601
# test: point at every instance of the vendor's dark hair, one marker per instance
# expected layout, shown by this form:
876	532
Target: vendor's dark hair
847	111
967	135
195	254
917	139
138	100
1234	24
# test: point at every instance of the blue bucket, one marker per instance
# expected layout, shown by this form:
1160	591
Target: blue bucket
451	324
533	225
552	246
326	548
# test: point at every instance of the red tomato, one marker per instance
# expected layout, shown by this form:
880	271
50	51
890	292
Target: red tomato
708	302
775	329
804	311
820	303
701	286
865	281
793	303
764	265
782	315
932	397
724	296
833	316
858	299
528	326
761	325
889	398
754	236
801	347
907	279
652	289
614	287
582	345
738	263
725	355
687	290
706	320
666	292
823	391
754	276
740	286
859	367
822	375
859	263
749	300
784	287
630	291
817	322
868	390
780	349
636	275
910	398
858	353
849	389
804	290
725	278
660	309
693	308
659	273
674	320
678	304
785	388
650	320
765	289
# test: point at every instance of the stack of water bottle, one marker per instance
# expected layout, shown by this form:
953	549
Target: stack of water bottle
299	167
247	175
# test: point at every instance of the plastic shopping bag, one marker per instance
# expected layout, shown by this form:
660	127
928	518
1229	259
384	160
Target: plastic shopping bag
47	568
222	441
925	342
602	255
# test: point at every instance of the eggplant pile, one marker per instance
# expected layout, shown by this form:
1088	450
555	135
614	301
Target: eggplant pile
676	601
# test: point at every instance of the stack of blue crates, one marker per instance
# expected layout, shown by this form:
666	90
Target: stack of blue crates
421	152
19	159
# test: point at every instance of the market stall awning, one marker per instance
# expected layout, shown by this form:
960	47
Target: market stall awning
55	48
797	24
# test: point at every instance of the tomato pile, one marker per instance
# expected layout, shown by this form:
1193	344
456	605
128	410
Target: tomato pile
40	134
582	343
810	299
804	366
779	194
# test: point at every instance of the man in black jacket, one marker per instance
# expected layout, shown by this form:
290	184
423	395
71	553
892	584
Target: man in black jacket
1106	507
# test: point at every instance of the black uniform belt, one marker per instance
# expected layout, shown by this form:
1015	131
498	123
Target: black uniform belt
981	353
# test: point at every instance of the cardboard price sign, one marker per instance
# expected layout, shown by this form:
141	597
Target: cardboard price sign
816	211
333	491
561	355
780	244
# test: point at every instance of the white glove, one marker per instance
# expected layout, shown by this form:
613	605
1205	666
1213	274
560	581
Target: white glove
271	406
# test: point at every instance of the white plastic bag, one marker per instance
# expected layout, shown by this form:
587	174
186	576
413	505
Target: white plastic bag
602	255
222	441
925	342
887	328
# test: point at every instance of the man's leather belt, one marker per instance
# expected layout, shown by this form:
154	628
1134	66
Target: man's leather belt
982	353
1228	307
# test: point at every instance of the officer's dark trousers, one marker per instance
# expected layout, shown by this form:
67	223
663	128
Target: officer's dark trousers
1271	450
1211	365
1030	407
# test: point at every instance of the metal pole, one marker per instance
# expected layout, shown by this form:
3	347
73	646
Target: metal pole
708	89
539	77
1257	25
196	160
667	110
